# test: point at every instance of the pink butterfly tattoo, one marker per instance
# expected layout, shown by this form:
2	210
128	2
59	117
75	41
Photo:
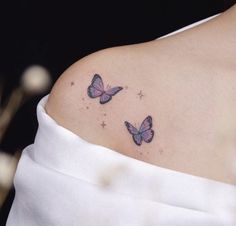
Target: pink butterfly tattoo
145	131
96	89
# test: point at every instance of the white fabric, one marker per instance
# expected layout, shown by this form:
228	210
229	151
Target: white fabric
62	180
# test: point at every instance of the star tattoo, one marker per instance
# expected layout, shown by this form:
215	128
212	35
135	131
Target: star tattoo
103	124
140	94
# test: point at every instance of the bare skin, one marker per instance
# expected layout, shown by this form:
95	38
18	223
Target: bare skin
185	82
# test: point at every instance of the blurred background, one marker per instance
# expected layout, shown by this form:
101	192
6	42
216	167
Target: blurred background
39	40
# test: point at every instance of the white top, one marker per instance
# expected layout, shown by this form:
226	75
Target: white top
62	180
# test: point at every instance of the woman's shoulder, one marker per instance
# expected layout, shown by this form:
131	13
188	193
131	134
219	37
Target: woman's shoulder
160	101
95	96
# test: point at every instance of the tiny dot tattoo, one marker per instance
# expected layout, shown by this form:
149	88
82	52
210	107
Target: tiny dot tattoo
140	94
103	124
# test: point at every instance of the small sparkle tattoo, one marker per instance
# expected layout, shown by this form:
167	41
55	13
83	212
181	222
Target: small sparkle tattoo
140	94
103	124
72	83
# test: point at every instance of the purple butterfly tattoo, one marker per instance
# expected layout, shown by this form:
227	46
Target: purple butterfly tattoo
145	131
96	89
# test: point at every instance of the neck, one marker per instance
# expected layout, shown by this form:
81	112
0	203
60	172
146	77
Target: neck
225	24
216	37
220	35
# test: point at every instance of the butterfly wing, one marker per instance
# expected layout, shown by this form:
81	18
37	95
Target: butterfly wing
97	82
132	130
137	139
93	92
114	90
147	135
135	133
145	129
105	98
96	88
146	124
107	95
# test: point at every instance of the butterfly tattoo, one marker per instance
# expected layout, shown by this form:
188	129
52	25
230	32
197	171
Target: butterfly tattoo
96	89
145	131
